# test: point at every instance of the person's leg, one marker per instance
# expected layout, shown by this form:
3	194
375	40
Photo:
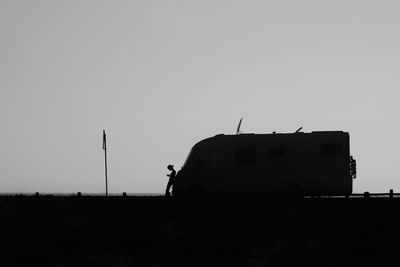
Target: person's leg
168	188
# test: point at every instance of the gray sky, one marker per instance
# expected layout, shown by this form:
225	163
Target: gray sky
161	75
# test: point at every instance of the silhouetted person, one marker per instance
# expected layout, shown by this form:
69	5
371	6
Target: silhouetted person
171	179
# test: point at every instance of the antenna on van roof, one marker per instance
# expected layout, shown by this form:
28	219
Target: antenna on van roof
298	130
238	128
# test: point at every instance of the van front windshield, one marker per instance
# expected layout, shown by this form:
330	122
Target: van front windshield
188	159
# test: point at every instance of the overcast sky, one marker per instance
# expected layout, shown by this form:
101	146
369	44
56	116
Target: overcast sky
161	75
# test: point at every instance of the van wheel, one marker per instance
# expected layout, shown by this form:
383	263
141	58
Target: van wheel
295	191
196	191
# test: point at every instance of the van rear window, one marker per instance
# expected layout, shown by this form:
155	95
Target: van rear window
244	156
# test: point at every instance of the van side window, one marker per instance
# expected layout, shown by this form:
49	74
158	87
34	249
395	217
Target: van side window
331	148
244	156
275	153
217	160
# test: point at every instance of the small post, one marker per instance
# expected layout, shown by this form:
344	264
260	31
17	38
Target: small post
366	194
391	193
124	194
79	194
37	194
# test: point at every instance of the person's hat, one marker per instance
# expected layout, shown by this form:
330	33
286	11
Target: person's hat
170	166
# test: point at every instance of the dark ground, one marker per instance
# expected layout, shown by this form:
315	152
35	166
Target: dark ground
155	231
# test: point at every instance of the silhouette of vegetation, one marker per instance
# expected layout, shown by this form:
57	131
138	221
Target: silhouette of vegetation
241	231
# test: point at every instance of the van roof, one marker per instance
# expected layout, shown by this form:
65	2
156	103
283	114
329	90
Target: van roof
248	139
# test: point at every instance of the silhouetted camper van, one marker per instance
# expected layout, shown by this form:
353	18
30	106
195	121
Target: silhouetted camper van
316	163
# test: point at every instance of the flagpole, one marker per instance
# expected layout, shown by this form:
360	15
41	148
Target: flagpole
105	158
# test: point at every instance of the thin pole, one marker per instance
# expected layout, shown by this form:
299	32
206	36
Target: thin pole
105	158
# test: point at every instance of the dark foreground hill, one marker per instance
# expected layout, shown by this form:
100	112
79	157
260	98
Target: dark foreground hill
155	231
